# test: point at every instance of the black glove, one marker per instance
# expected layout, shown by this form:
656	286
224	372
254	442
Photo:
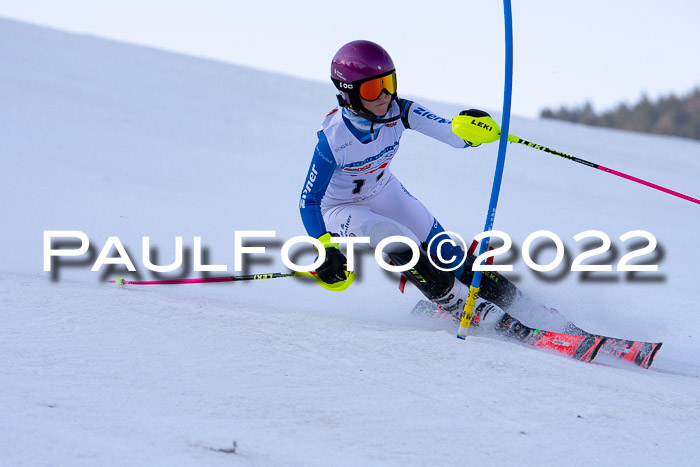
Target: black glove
335	266
474	113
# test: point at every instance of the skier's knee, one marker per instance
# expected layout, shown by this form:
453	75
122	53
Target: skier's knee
447	253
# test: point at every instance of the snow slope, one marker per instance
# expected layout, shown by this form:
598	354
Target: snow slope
118	140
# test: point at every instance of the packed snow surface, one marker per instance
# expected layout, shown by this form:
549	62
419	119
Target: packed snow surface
115	140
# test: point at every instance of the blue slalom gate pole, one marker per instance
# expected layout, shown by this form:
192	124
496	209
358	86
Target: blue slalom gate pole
498	176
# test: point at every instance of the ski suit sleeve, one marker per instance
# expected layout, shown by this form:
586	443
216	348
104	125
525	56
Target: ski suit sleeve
416	117
317	179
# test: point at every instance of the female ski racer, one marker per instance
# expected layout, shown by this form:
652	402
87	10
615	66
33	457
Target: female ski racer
350	191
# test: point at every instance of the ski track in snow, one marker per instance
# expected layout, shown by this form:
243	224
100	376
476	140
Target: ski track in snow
113	139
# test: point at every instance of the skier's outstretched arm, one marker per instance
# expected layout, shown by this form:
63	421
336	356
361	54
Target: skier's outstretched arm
418	117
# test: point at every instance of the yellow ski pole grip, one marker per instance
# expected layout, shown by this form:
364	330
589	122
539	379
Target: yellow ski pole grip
478	129
475	129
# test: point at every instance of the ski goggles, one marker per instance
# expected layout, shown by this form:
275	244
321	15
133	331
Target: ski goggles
371	89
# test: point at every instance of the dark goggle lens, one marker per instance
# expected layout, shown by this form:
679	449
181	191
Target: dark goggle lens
372	89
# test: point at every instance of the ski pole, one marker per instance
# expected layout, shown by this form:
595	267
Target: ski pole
516	139
466	320
338	286
485	130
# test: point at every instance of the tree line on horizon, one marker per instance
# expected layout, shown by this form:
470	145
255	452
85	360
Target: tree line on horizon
676	116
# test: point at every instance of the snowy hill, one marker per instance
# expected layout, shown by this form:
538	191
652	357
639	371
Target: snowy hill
118	140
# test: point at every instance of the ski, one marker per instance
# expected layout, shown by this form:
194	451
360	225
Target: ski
574	341
502	293
638	353
582	348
